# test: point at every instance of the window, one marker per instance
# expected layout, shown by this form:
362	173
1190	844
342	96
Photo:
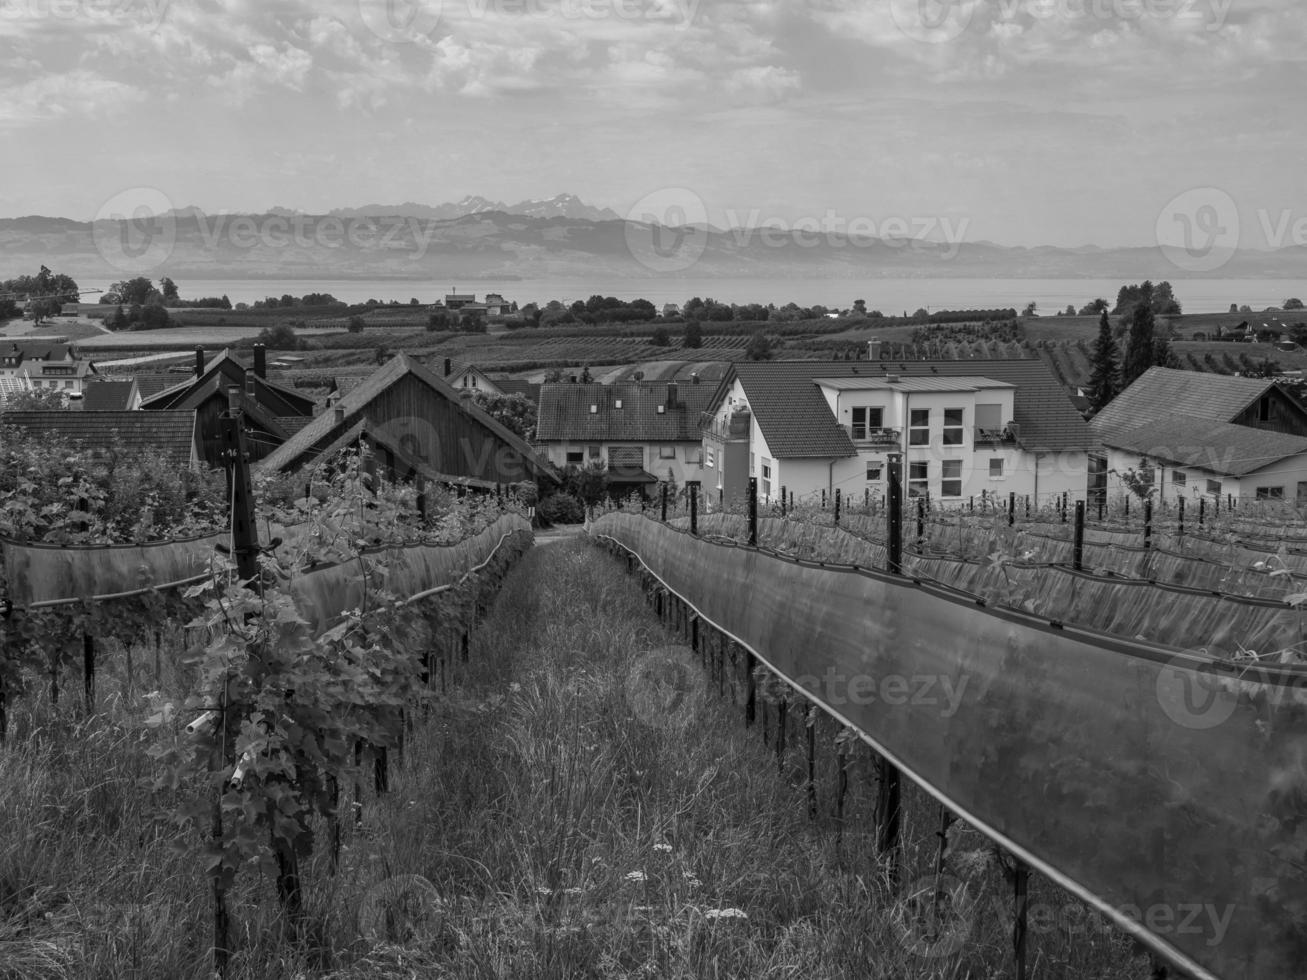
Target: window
996	469
1214	487
875	472
989	416
594	452
918	477
1270	493
865	419
952	428
710	458
1178	478
1264	409
919	427
766	479
666	452
694	454
950	478
575	457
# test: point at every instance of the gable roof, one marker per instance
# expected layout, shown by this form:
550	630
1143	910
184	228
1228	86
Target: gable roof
109	396
38	350
516	386
151	383
1163	393
1217	447
565	416
797	422
170	435
221	372
325	427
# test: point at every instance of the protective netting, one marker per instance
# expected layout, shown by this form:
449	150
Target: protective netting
1161	787
38	574
1186	615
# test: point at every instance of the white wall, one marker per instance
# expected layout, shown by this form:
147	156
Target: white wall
1286	473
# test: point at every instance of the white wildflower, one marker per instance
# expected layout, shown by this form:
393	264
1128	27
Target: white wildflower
663	847
635	876
725	914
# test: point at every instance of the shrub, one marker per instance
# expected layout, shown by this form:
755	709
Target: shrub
561	508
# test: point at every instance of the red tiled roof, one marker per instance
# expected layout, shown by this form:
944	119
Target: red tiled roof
565	416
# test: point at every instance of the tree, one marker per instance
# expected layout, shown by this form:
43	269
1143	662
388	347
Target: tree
1292	304
133	292
759	348
1070	310
36	400
517	413
168	289
1105	367
119	321
693	334
280	337
438	321
43	308
355	324
1139	347
860	306
152	317
586	376
1030	309
660	337
1093	308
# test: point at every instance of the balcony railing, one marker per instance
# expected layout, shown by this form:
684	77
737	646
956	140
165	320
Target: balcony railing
994	437
871	437
732	429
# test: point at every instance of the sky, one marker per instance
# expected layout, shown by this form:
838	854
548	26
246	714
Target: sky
1023	122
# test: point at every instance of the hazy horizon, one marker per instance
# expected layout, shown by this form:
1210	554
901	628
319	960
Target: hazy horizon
1070	123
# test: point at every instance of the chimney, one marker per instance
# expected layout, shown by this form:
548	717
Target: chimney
249	385
260	360
340	415
873	349
694	378
199	361
449	367
671	394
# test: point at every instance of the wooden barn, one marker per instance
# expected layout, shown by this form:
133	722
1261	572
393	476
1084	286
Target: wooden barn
419	427
271	411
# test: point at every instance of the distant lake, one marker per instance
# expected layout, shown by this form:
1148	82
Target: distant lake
890	296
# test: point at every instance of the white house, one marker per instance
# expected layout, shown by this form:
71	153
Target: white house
965	430
1193	434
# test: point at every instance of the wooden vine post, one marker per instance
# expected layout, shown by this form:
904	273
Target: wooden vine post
888	798
692	487
753	510
1078	549
664	502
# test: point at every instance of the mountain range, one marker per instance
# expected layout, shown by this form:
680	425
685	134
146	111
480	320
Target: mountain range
562	237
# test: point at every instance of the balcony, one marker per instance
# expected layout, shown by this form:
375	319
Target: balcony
994	437
734	429
871	437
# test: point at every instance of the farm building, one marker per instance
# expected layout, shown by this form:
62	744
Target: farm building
420	426
263	403
170	436
111	395
45	364
467	376
1194	434
640	432
964	429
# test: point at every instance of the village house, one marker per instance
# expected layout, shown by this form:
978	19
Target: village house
1191	434
471	378
170	437
112	395
420	428
44	364
270	411
641	433
966	431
